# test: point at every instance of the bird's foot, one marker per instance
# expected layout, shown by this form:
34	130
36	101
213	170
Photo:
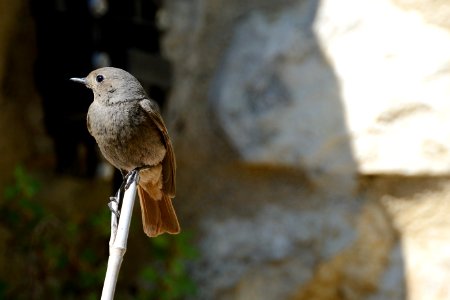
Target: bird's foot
132	176
115	202
114	199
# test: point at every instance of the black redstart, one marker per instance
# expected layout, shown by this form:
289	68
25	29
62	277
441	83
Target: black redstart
131	134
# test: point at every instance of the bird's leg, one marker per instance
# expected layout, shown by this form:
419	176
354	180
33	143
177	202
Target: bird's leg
132	176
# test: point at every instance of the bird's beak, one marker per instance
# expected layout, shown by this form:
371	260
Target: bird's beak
79	80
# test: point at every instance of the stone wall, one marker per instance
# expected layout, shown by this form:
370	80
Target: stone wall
312	143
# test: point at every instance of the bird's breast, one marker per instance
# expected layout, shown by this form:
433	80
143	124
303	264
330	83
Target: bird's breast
126	135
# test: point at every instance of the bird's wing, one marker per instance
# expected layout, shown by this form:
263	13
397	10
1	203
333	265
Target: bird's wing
168	163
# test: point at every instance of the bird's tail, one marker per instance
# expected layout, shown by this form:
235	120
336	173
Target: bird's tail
158	216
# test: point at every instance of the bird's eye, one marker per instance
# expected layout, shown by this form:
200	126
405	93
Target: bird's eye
99	78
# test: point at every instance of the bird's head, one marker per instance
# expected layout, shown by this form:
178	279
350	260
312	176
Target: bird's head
112	85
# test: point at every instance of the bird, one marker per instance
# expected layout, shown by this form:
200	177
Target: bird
131	135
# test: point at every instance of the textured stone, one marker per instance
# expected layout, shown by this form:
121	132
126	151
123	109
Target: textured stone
271	96
395	82
278	236
350	274
277	97
419	210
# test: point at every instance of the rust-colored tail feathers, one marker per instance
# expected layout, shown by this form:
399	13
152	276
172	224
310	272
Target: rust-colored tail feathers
158	216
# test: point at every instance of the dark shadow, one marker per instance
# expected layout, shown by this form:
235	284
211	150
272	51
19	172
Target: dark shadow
64	50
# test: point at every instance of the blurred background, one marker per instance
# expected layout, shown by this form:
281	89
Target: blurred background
312	142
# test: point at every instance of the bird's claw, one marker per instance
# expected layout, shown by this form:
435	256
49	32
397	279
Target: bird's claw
131	177
113	199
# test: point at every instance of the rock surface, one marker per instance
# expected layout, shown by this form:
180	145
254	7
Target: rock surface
277	97
310	136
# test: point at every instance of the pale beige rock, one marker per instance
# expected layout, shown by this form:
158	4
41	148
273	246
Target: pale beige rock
421	216
392	67
356	272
